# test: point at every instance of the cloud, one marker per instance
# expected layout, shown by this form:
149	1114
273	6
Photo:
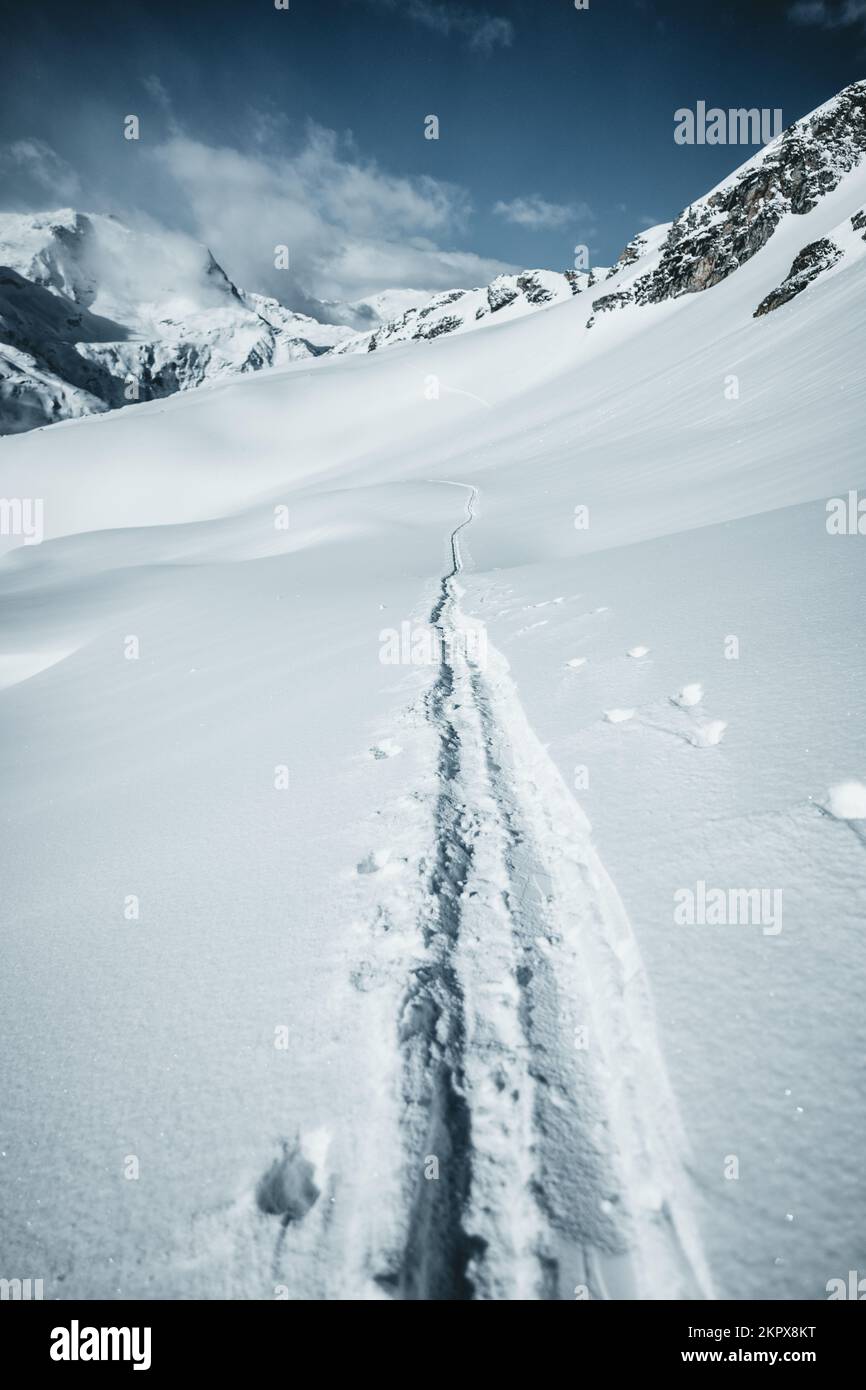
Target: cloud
538	214
36	167
483	32
352	229
824	15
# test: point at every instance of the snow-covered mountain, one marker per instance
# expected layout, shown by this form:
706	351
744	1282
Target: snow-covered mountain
94	315
371	756
458	311
720	232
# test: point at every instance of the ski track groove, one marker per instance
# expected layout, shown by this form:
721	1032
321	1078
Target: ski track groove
555	1171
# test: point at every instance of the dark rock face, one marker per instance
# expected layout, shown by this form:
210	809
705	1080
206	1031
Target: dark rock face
858	221
500	294
632	252
435	330
711	239
808	264
612	301
533	290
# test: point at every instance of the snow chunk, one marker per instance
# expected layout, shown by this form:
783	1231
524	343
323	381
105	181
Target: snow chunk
848	801
619	716
710	733
690	695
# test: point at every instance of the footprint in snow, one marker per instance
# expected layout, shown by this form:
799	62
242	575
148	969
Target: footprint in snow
366	976
288	1189
374	862
387	748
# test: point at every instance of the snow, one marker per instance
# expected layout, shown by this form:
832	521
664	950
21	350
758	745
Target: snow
256	990
847	801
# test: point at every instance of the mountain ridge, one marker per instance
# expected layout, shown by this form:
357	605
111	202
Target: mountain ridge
94	315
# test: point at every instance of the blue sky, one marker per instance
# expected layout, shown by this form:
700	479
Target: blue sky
306	127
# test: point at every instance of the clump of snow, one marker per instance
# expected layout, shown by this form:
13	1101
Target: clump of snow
619	716
710	733
637	652
848	801
576	661
690	695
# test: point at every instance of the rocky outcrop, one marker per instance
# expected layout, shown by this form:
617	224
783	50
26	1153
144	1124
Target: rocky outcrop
808	264
454	311
713	237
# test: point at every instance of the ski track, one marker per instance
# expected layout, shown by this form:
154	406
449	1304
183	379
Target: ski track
531	1073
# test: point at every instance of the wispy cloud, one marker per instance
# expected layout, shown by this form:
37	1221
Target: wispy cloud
825	15
482	31
156	90
42	167
352	228
538	214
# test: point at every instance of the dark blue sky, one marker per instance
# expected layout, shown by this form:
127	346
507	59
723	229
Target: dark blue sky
306	126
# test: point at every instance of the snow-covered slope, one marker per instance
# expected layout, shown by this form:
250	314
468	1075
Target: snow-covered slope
319	981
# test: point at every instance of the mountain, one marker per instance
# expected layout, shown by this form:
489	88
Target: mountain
457	311
459	794
720	232
94	315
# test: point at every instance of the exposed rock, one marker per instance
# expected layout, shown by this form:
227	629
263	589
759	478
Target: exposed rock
501	293
713	237
808	264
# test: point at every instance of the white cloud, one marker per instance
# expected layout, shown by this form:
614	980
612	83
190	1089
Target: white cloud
538	214
482	31
42	167
826	15
352	229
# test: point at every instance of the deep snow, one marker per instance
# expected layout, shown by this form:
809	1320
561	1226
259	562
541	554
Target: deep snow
247	1025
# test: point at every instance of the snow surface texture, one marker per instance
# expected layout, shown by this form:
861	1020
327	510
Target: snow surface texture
327	945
